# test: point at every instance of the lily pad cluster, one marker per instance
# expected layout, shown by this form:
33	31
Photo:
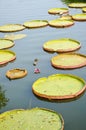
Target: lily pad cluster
79	17
56	86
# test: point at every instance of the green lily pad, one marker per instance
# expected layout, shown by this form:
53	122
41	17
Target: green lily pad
5	43
84	10
16	73
33	119
67	17
6	56
59	86
79	17
77	5
61	45
11	28
68	61
58	11
15	36
61	23
36	23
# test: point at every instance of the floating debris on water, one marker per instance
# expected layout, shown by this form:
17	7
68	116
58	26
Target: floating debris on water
35	62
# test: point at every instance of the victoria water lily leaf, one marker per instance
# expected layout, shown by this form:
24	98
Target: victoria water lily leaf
77	5
15	36
68	61
58	11
67	17
16	73
6	56
11	28
36	23
59	86
79	17
33	119
84	9
61	23
61	45
5	43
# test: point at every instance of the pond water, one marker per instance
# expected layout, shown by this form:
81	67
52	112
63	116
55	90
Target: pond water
18	93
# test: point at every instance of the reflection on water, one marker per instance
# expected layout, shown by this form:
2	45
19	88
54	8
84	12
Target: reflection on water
3	99
73	1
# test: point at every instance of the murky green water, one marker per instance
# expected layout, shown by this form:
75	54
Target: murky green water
19	92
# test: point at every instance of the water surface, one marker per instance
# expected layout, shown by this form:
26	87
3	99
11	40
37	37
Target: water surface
19	92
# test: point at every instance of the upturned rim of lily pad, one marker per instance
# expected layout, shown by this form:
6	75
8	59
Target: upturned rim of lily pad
54	86
62	60
34	118
16	73
77	5
7	60
79	17
61	23
3	41
36	23
48	46
58	10
14	28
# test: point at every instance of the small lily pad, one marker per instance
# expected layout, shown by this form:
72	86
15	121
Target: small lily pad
61	23
59	86
68	61
15	36
77	5
61	45
36	23
79	17
31	119
5	43
6	56
11	28
16	73
58	11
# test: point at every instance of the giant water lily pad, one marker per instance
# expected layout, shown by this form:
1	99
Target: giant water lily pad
68	61
77	5
5	43
61	45
15	36
33	119
79	17
67	17
58	11
61	23
16	73
11	28
84	9
6	56
59	86
36	23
